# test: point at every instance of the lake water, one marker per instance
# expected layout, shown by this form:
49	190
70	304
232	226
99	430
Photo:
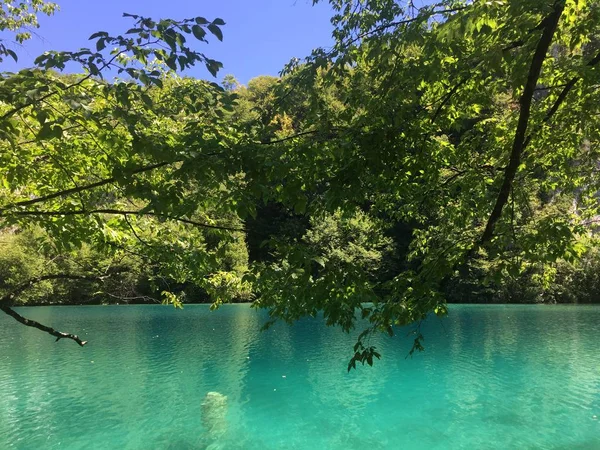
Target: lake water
491	377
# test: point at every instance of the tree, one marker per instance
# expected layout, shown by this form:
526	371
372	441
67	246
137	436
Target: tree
457	117
471	126
106	163
17	20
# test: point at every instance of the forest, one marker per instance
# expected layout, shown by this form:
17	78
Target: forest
448	153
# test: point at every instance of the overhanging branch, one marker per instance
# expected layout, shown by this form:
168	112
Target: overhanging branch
8	298
32	323
567	88
84	212
6	301
520	141
16	109
82	188
419	18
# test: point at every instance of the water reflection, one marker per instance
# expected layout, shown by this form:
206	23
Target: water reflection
491	377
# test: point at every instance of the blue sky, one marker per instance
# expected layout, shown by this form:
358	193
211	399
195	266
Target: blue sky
260	36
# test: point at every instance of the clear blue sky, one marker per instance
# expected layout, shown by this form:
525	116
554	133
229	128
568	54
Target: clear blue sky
260	36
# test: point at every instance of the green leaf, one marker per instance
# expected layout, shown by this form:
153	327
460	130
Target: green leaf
11	53
319	260
172	62
57	131
98	34
198	32
300	206
214	29
45	132
41	116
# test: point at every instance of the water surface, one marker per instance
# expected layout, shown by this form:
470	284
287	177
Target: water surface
492	377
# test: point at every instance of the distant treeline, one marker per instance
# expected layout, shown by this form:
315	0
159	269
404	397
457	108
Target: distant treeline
25	254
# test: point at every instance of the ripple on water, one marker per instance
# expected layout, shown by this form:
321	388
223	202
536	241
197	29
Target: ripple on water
491	377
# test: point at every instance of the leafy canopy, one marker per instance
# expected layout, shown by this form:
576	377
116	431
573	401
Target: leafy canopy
473	126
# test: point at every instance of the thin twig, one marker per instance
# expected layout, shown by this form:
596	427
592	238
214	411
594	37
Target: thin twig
80	212
86	187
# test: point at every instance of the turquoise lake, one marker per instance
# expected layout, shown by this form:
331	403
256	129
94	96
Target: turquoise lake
491	377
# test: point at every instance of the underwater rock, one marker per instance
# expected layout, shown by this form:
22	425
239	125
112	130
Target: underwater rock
214	414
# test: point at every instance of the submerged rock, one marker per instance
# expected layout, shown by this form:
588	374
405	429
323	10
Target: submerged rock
214	414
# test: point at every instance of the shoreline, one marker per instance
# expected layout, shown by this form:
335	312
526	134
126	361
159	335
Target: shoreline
250	304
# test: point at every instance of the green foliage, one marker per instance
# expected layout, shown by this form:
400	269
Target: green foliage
435	150
349	241
559	282
19	262
137	166
426	136
333	268
116	276
29	254
575	282
17	19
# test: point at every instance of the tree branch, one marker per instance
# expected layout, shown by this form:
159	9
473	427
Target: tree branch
520	140
83	212
132	297
420	17
288	138
82	188
32	323
329	135
567	88
448	96
8	298
341	46
16	109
